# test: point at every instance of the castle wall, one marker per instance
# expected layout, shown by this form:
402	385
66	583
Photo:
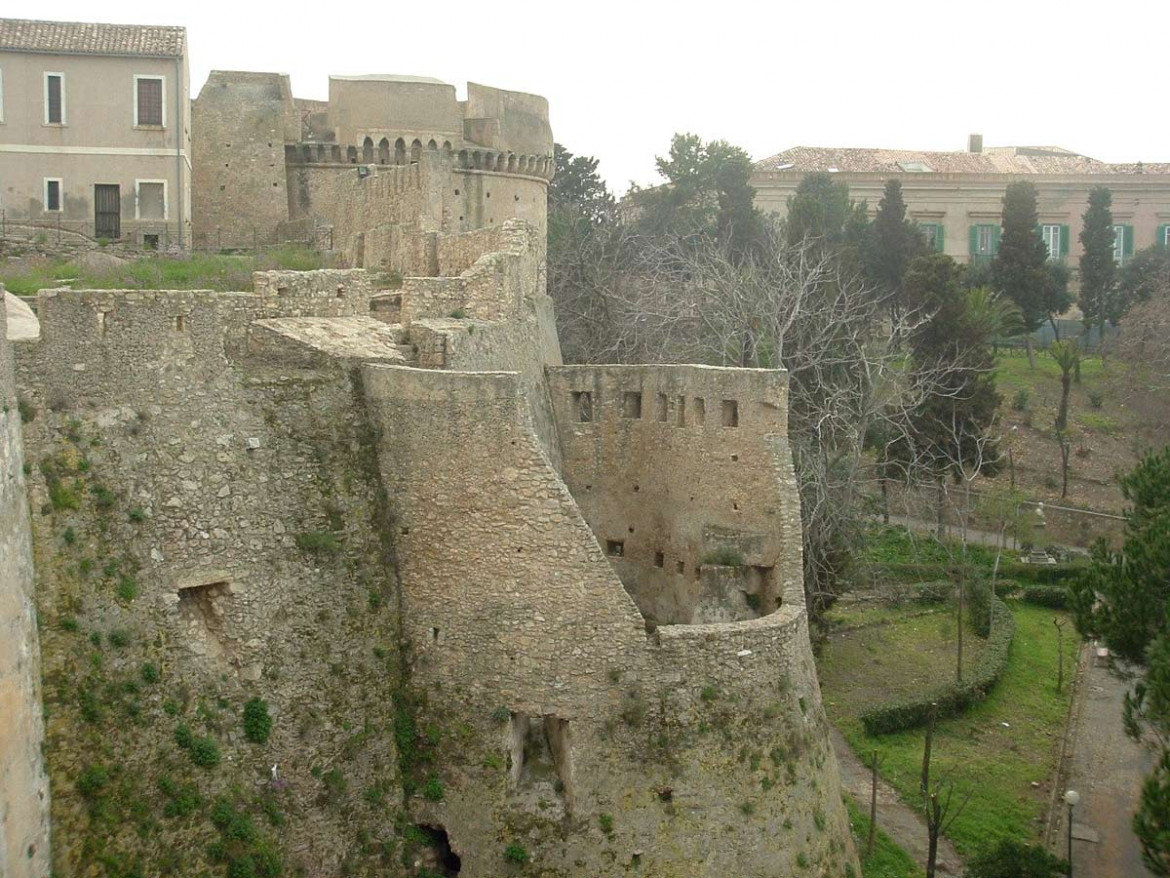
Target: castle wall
672	465
24	786
212	516
507	120
392	107
240	123
514	618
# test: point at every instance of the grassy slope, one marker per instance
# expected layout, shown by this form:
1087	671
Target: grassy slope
888	860
997	764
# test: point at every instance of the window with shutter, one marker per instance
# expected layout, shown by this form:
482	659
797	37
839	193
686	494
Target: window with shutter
1051	233
54	99
1122	243
148	100
1164	235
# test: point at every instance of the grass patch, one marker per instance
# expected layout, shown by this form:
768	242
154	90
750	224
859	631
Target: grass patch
200	271
888	860
997	763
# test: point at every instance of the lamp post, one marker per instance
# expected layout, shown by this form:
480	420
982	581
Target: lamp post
1071	797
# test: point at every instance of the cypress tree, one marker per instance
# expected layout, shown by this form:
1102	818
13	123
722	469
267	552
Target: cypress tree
894	243
1098	270
1020	268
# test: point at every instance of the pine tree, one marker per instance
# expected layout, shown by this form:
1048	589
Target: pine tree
1020	268
1124	600
1098	270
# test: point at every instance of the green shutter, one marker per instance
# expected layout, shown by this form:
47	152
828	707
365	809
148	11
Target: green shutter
938	237
973	240
1065	236
1127	241
996	235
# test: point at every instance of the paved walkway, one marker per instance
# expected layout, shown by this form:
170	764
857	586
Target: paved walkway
1106	768
904	825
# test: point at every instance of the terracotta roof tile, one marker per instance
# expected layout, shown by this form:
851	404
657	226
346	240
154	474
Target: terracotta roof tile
998	160
83	38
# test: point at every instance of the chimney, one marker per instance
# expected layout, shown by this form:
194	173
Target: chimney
974	143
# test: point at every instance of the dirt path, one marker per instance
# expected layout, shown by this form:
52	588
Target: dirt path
1106	768
901	823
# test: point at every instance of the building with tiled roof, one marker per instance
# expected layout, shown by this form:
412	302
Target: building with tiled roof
95	129
957	196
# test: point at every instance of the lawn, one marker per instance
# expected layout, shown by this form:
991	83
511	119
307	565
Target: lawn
200	271
995	752
888	860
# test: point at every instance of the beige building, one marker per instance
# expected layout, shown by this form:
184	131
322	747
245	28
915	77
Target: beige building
94	129
957	197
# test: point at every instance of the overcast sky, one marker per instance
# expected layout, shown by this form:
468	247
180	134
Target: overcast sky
622	77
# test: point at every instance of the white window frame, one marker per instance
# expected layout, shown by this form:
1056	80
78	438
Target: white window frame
1166	236
1051	230
930	233
138	200
1118	243
988	231
60	194
162	78
64	103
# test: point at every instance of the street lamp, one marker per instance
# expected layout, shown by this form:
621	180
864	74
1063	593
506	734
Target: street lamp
1071	797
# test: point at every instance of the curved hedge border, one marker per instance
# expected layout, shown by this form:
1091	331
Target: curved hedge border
953	698
1053	596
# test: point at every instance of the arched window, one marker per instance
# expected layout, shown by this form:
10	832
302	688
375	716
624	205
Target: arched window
400	151
384	151
351	155
367	150
416	151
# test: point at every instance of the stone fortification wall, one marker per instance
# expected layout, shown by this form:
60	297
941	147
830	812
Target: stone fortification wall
24	787
512	612
673	468
207	532
507	120
239	125
333	292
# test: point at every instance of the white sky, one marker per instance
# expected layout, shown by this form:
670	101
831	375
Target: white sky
621	78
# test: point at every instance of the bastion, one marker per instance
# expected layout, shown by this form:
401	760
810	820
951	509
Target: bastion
336	576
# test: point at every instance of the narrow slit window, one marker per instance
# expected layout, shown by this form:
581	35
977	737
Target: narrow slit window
583	406
681	411
52	195
661	406
54	98
659	559
180	323
700	411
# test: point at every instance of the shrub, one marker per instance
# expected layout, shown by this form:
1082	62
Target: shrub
127	589
501	714
150	673
103	497
1013	859
1052	596
257	721
1096	398
137	515
724	556
433	789
1020	400
1043	574
606	823
92	781
69	536
118	638
318	542
516	853
204	752
709	693
933	593
62	497
953	698
28	411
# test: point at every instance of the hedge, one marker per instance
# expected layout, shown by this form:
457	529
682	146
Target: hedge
953	698
1041	574
1053	596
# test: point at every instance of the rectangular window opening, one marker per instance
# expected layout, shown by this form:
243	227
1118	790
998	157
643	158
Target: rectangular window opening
180	323
730	413
659	559
680	567
661	406
1051	235
54	98
52	195
103	328
583	406
615	548
681	411
148	100
700	411
152	200
632	404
